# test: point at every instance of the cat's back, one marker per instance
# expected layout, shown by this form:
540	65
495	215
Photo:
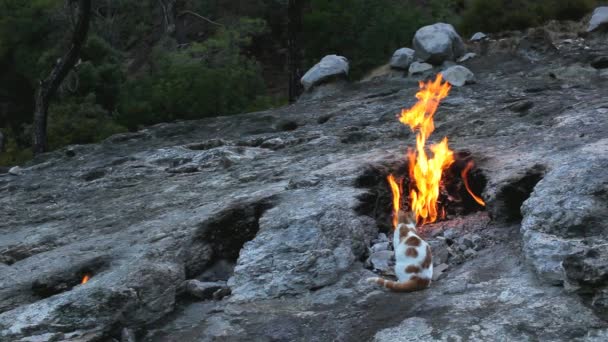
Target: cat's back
413	255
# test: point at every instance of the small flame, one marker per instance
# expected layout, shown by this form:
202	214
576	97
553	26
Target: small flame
466	183
85	279
396	189
425	172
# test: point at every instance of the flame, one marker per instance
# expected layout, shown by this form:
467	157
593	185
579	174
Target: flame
464	174
425	172
85	279
396	189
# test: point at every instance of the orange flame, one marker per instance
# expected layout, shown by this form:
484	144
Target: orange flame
464	174
425	173
85	279
396	190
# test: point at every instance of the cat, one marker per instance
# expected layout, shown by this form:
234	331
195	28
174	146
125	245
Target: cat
414	261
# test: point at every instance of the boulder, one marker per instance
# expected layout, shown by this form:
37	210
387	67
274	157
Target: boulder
467	56
437	43
402	58
478	36
202	290
330	67
598	18
458	75
419	68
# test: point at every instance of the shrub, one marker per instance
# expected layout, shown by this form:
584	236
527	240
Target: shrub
206	79
80	122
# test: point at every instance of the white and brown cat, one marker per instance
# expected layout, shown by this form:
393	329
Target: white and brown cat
414	261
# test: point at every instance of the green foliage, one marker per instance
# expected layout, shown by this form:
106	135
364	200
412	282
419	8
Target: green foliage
365	32
80	122
206	79
497	15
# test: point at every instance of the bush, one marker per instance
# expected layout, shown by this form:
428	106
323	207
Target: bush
206	79
81	122
498	15
365	32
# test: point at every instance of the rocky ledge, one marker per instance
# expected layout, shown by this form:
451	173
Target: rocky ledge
260	226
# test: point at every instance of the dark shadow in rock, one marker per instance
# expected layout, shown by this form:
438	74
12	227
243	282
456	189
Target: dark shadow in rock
206	145
222	236
377	201
288	126
66	280
323	119
507	205
93	175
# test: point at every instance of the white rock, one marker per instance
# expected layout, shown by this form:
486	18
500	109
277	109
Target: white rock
467	56
478	36
418	68
402	58
458	75
599	18
437	43
15	171
330	66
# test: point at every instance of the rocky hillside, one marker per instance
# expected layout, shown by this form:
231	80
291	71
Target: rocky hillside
259	226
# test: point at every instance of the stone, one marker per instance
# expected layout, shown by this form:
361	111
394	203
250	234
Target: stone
467	56
600	62
127	335
380	246
574	73
477	36
438	42
417	68
330	67
450	234
439	249
15	171
439	270
202	290
466	240
470	253
598	19
458	75
381	238
402	58
381	260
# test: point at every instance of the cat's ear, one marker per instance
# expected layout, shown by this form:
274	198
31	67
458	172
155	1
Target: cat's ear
406	217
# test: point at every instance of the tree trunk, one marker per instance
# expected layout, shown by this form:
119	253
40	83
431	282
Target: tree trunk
294	29
1	142
169	14
49	86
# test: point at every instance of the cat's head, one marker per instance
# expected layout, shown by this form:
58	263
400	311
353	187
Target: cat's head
407	218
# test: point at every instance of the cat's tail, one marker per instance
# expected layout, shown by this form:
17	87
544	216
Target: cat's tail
414	284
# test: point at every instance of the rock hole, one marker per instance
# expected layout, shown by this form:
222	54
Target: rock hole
288	126
377	201
323	119
218	242
507	206
206	145
93	175
67	280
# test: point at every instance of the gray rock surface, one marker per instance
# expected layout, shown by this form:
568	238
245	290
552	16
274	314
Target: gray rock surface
143	212
458	75
437	43
330	67
598	19
467	56
418	68
402	58
477	36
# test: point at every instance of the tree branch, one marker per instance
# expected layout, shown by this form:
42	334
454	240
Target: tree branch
182	13
48	87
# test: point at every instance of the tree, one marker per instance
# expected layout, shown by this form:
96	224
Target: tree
294	27
48	87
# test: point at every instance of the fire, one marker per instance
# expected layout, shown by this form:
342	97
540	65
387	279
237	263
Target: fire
396	189
425	171
464	174
85	279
